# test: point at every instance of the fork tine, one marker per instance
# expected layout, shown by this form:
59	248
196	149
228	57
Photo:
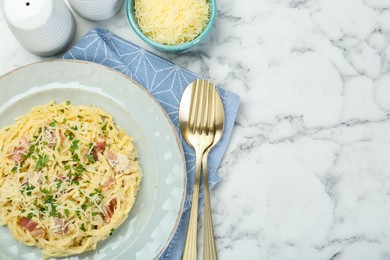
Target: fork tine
199	107
202	103
213	103
202	112
194	104
208	103
206	108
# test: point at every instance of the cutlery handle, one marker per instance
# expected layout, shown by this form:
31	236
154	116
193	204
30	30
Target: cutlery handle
191	239
209	252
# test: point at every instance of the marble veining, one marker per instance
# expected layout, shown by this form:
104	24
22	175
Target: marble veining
307	171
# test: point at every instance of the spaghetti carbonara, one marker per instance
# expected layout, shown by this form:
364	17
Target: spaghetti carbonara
68	177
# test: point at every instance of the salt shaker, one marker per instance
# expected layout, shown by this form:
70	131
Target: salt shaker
96	10
43	27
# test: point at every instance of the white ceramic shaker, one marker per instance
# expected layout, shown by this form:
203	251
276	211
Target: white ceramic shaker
96	10
43	27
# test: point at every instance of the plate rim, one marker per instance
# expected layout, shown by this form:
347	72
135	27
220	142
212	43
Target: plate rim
150	96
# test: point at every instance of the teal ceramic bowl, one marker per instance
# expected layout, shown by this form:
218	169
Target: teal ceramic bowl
171	48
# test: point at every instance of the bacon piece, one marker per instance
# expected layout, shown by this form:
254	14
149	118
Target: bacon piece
20	150
109	211
34	178
108	184
51	137
31	226
63	177
17	154
61	135
111	156
24	142
61	226
119	162
99	147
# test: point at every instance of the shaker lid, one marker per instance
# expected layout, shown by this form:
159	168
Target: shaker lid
27	14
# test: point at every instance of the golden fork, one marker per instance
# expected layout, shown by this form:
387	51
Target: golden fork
197	128
217	111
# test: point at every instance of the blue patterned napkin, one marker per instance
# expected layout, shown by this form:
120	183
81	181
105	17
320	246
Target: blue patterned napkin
166	82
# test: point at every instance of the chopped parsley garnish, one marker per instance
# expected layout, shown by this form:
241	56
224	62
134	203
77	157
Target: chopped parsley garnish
53	123
79	169
53	211
83	227
28	189
75	158
70	135
32	148
104	127
90	158
68	102
86	205
78	214
95	191
44	190
112	230
59	183
66	212
74	146
75	182
30	151
49	199
42	162
30	215
100	196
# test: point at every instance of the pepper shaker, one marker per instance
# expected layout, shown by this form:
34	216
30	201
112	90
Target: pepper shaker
96	10
43	27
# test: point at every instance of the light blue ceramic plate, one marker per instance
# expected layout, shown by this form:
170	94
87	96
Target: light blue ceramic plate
156	213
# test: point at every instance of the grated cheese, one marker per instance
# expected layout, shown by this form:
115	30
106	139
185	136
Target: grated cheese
172	22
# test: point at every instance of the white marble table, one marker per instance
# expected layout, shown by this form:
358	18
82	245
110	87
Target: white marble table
307	172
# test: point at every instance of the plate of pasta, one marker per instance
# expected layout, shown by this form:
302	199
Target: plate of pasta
87	170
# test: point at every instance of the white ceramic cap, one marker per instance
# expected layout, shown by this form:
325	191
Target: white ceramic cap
27	15
44	27
96	10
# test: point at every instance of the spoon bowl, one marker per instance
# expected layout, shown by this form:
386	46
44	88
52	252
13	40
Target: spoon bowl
196	117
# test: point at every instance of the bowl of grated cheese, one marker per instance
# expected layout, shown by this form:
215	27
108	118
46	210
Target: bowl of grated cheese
171	25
